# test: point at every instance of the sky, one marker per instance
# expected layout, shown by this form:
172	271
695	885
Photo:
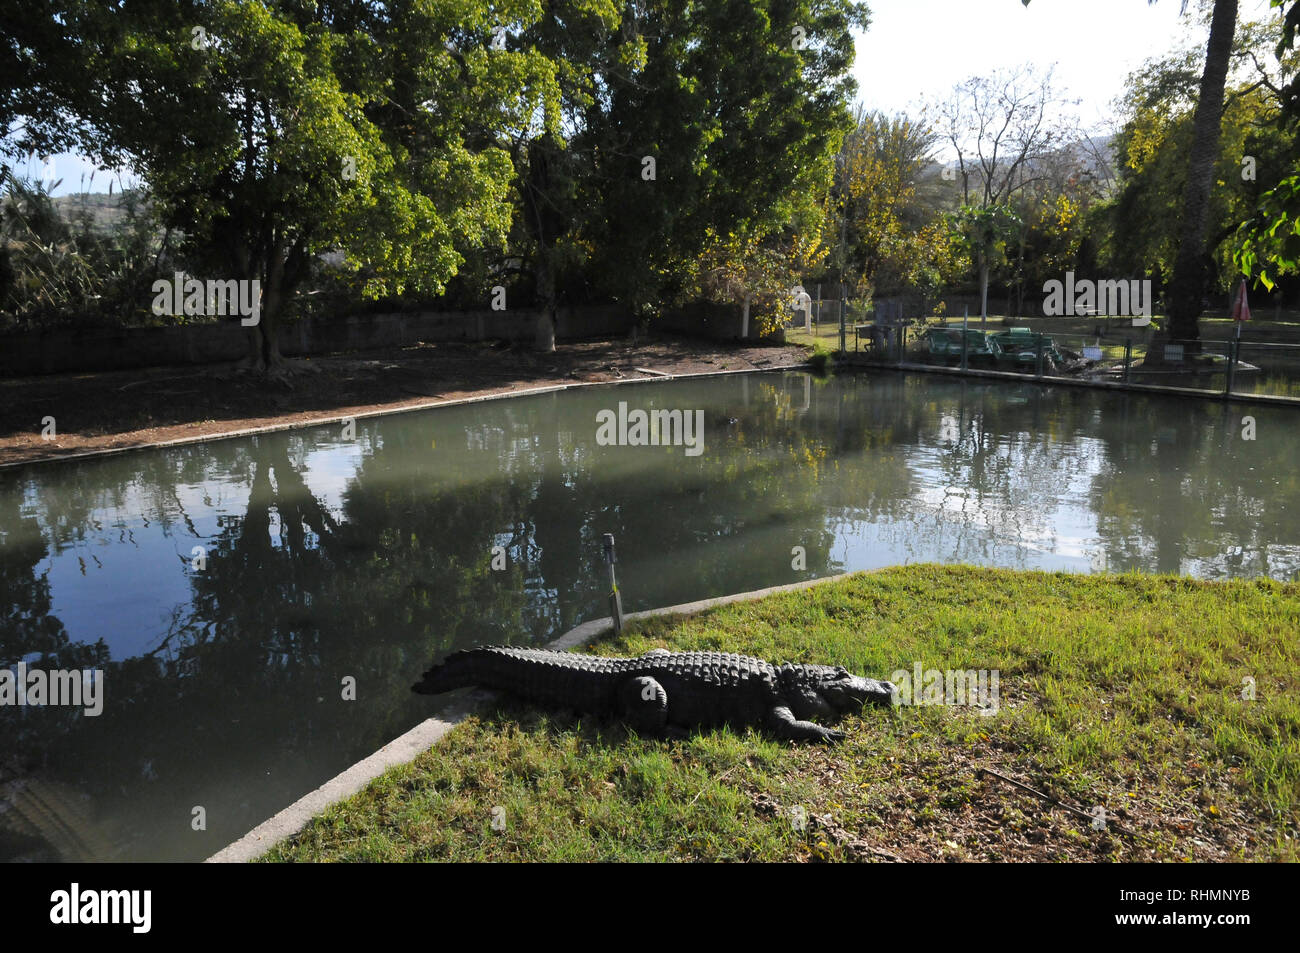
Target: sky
923	48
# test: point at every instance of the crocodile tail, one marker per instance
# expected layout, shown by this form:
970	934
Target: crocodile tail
457	670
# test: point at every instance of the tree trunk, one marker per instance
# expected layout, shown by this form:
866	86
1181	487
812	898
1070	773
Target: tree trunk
271	357
282	274
264	337
273	302
546	228
1187	287
545	340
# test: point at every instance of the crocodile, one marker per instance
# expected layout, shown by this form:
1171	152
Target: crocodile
663	692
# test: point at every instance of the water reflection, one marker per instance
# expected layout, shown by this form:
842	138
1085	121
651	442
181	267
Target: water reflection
228	590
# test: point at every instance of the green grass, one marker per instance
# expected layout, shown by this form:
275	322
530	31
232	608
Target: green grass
825	334
1123	692
820	359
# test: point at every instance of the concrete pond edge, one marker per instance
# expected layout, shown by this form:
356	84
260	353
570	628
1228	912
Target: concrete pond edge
425	735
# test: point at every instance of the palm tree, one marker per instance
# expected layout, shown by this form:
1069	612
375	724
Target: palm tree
1187	286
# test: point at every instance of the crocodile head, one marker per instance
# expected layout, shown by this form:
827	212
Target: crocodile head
831	690
847	692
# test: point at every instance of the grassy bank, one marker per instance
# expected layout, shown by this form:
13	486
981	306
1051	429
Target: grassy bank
1119	692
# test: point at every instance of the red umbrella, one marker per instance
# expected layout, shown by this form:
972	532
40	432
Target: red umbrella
1240	306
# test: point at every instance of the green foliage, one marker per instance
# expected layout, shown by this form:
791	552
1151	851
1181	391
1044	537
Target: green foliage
271	131
415	138
57	269
984	232
401	136
1152	150
1269	243
895	234
742	126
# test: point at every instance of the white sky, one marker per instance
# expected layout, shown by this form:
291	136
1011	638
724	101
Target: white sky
922	48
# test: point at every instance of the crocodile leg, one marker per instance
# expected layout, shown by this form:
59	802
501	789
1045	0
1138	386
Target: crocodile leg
785	726
644	704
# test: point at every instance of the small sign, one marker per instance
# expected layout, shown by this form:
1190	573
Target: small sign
1092	353
1174	353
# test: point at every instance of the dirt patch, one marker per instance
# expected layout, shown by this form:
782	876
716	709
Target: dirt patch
947	803
142	407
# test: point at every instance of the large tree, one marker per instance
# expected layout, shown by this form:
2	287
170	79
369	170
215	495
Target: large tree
893	213
695	142
1003	128
1153	144
270	131
1187	287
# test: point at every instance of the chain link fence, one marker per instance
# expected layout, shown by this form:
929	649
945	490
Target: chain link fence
1226	366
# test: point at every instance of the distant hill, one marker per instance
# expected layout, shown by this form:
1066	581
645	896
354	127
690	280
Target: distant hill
106	212
1092	155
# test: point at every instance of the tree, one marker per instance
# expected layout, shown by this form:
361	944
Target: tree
883	161
40	74
271	131
1187	287
1156	137
697	142
746	106
1003	127
985	230
588	44
1269	242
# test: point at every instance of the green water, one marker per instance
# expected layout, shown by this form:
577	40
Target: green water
329	558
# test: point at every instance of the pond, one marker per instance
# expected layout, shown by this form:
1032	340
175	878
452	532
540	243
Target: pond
259	607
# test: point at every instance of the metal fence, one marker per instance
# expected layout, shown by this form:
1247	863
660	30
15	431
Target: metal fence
825	320
1225	366
1222	364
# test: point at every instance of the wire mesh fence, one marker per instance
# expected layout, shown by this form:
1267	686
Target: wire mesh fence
1220	362
1227	366
1271	368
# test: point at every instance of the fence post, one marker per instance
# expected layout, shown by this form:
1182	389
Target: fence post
1128	356
615	599
843	342
1232	366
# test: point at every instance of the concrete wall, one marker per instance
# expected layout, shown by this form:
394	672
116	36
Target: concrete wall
64	350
